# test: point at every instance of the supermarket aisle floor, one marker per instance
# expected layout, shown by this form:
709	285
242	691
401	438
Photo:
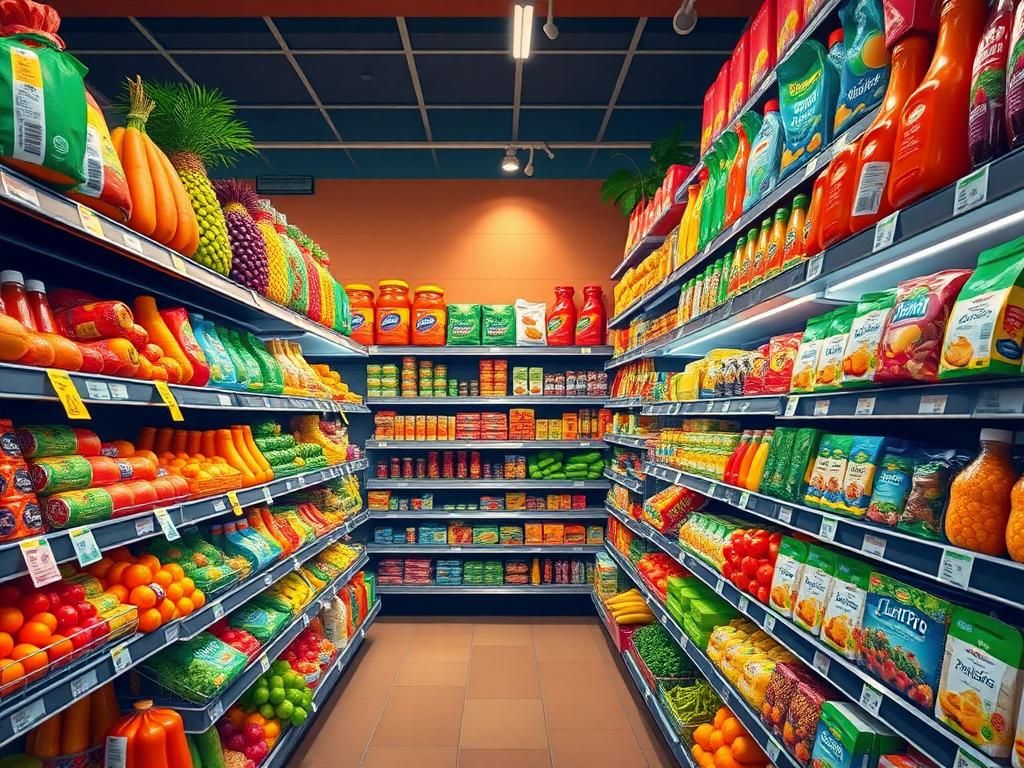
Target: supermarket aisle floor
500	693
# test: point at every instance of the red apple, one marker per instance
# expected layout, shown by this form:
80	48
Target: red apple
86	609
75	594
34	603
67	617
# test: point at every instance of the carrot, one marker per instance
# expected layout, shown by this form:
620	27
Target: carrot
186	238
164	203
140	182
117	139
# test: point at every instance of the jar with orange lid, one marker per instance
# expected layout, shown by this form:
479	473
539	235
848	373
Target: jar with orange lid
393	312
360	301
428	316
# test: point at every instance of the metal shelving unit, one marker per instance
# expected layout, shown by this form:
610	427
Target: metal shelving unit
623	402
430	445
634	484
488	485
461	402
540	351
504	589
629	441
767	405
483	549
589	513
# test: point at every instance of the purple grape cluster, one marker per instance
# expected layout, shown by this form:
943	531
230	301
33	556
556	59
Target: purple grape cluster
248	248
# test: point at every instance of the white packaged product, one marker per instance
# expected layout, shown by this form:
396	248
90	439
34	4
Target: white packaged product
531	317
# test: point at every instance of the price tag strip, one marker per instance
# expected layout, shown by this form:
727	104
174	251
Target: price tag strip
67	393
169	400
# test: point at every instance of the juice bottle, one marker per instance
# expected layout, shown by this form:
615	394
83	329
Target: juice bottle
978	513
760	252
868	204
360	298
736	458
986	127
838	194
393	312
776	243
760	460
1015	81
793	250
561	318
812	224
592	322
746	129
15	301
931	141
715	276
747	267
429	317
39	307
724	277
737	265
693	207
748	458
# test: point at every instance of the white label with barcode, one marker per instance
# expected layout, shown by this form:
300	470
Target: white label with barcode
29	114
821	407
743	500
116	753
785	514
121	657
870	187
267	495
873	545
885	232
955	567
814	266
131	242
118	391
84	683
971	191
821	662
264	662
173	632
720	586
28	716
865	406
791	404
870	699
769	621
932	404
94	172
828	528
743	604
97	390
218	611
86	549
145	526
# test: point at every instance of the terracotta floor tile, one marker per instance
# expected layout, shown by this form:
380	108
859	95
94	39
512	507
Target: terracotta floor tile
369	679
596	749
340	733
403	757
503	724
435	673
502	634
580	709
504	758
573	674
420	716
503	672
565	646
429	651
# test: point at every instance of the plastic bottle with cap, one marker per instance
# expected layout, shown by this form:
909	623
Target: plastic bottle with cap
978	516
12	292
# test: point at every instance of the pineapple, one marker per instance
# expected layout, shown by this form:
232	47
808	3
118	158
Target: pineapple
196	127
248	250
279	286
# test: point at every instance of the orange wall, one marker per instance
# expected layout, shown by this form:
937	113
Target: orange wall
484	242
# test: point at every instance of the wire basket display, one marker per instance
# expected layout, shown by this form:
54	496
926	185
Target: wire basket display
684	730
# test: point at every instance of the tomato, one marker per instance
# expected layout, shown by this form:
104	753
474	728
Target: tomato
752	587
762	595
728	569
749	566
741	580
764	575
757	545
736	538
34	603
729	552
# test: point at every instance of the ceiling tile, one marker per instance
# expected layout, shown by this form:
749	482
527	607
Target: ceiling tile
471	164
651	124
340	34
484	34
214	34
570	79
669	79
339	79
108	73
320	163
585	34
466	79
719	33
559	124
286	124
471	124
107	34
394	164
247	78
379	124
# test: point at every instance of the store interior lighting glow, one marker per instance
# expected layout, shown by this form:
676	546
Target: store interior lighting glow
510	163
522	30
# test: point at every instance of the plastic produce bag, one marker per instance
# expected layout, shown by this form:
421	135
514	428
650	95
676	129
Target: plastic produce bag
261	623
196	669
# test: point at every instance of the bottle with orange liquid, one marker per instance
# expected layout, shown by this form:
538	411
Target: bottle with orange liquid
760	252
812	223
931	142
868	202
776	243
793	248
746	129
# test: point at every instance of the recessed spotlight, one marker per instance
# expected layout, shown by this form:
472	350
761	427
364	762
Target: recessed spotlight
366	77
510	162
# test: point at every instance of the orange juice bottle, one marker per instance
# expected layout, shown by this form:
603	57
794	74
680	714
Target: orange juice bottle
793	250
748	458
838	195
776	243
812	224
758	464
760	252
909	62
747	264
737	264
746	129
931	142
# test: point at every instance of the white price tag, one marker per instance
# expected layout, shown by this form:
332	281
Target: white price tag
268	580
870	699
86	549
873	545
144	526
709	407
963	760
725	406
791	404
785	514
219	505
296	564
216	711
865	406
267	495
40	562
1000	401
955	567
828	528
122	658
821	662
577	483
90	222
20	190
720	586
885	232
312	706
971	190
305	620
743	604
772	752
932	404
217	609
744	498
811	167
131	242
821	407
814	266
264	662
84	683
97	390
166	524
118	391
302	481
769	621
173	632
224	399
28	716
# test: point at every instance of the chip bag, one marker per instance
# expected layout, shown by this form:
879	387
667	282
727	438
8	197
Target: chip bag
105	187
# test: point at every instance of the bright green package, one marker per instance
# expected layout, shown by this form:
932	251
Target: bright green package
808	88
342	309
242	372
42	110
196	669
262	623
824	488
829	370
860	359
498	325
270	368
253	377
463	325
805	448
778	461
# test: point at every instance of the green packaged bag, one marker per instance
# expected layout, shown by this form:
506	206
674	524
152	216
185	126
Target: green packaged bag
805	447
860	358
779	458
829	370
498	325
463	325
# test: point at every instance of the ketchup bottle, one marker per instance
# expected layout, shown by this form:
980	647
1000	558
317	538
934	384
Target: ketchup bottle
592	322
562	318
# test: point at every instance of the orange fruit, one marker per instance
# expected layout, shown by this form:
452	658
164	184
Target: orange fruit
12	676
187	586
185	606
721	715
6	645
715	741
150	620
198	599
257	718
116	572
35	633
175	592
142	597
703	735
136	576
731	728
151	562
163	578
166	609
724	758
120	592
272	728
745	749
46	618
100	567
32	659
237	716
176	571
59	647
11	620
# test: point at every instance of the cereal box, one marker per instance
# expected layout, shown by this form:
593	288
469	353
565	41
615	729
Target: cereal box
789	16
536	381
848	737
534	533
844	609
904	637
520	381
739	72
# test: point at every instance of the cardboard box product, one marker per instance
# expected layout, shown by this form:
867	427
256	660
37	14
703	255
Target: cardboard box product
761	45
536	381
542	429
554	533
575	534
515	500
789	23
520	381
739	73
570	426
555	429
595	534
534	533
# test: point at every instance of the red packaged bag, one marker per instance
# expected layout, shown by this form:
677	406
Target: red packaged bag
781	356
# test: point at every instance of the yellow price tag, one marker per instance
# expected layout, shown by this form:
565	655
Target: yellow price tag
236	505
168	397
178	264
67	394
343	417
90	222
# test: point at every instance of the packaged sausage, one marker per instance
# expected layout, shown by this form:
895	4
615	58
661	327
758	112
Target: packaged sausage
57	440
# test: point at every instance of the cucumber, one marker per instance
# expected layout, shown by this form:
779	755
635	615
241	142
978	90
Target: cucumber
210	751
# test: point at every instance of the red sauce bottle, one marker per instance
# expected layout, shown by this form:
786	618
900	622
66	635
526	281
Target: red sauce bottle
592	323
39	305
561	319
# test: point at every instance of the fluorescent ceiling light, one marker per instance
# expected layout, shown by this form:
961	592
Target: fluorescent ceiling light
522	30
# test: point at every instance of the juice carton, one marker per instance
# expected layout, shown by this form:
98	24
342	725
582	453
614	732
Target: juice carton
721	100
761	45
739	76
848	737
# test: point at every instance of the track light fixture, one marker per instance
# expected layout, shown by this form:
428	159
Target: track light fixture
510	163
550	28
528	170
686	18
522	29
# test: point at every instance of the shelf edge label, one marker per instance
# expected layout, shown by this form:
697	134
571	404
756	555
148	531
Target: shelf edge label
67	393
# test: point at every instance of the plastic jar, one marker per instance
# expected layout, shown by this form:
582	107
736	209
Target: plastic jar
561	320
591	323
428	316
360	300
393	312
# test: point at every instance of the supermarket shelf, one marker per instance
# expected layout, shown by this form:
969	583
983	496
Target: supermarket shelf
759	405
630	441
624	402
917	726
639	251
502	589
460	402
249	588
482	549
166	271
485	484
588	513
650	697
539	351
198	719
126	530
285	747
633	354
620	320
730	697
22	382
625	481
481	444
992	578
